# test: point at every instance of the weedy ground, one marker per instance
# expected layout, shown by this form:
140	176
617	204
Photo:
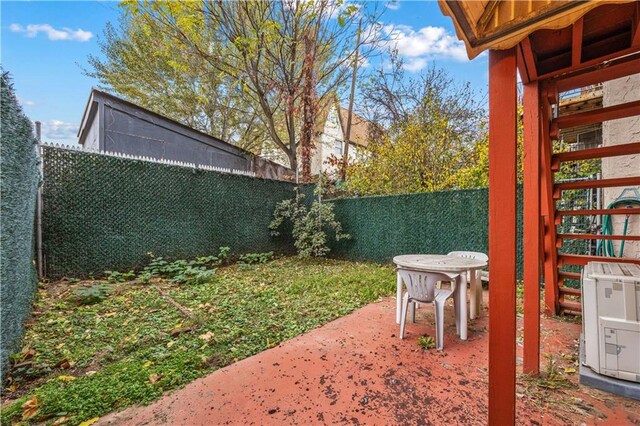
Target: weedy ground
81	361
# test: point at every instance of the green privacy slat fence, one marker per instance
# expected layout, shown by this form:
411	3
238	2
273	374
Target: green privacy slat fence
435	222
106	213
19	179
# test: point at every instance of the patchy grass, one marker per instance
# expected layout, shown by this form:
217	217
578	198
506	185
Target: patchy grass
83	361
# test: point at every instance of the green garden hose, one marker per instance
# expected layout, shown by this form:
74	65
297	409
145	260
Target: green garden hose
605	247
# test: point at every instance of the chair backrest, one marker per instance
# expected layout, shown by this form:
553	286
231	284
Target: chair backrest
421	286
470	255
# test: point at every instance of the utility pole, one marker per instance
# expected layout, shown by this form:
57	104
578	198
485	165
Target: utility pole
347	131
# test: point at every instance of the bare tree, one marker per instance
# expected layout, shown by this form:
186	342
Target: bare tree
283	55
391	98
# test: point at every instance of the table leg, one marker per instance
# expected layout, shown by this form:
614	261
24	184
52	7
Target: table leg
398	298
472	304
463	306
456	285
477	285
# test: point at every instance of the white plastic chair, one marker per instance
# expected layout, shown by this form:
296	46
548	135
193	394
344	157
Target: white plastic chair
421	288
476	281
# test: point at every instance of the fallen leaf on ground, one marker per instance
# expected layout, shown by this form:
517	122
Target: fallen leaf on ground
60	421
89	422
147	364
570	370
153	378
64	364
30	403
206	336
66	378
31	408
29	353
177	331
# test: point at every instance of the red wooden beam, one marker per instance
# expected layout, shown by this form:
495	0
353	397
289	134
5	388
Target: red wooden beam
569	275
614	112
548	206
592	212
596	183
570	291
589	65
589	154
582	260
571	306
617	68
635	41
502	236
522	67
526	61
598	237
531	230
576	43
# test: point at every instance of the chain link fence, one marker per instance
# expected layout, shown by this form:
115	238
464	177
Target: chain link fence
19	180
382	227
579	199
107	213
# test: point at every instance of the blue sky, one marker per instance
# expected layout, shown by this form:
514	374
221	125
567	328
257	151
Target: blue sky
45	45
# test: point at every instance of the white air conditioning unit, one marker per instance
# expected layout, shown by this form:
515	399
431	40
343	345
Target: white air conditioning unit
611	319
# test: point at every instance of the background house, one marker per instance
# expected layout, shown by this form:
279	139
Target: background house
330	138
115	125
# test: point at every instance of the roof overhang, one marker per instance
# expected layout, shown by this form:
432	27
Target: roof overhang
502	24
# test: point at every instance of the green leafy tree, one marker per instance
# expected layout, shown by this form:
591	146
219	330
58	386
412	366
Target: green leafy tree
283	59
436	135
152	68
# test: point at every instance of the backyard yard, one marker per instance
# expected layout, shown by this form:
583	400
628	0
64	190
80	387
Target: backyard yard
81	360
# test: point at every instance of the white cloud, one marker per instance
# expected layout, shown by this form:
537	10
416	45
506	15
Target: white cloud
419	47
393	5
32	30
427	41
414	64
58	130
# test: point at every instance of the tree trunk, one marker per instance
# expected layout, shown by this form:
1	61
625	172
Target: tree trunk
309	109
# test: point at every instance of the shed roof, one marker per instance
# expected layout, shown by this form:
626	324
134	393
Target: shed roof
502	24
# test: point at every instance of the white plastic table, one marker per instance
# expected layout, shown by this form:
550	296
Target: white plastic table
450	265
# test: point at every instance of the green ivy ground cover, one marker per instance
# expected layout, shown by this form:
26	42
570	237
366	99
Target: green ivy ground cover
84	361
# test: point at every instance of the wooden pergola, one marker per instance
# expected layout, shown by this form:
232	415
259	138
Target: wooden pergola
556	46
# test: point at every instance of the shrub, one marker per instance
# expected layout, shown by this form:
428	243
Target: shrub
309	224
88	295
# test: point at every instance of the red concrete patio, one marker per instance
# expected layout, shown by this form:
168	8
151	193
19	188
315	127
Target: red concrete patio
355	370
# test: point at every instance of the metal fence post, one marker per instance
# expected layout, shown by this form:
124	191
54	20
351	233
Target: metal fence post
39	254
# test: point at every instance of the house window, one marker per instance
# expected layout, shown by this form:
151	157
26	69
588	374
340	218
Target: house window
337	148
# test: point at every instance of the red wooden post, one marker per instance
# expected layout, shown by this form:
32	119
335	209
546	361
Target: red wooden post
531	237
547	207
502	236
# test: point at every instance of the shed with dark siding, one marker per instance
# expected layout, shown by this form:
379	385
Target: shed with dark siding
115	125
